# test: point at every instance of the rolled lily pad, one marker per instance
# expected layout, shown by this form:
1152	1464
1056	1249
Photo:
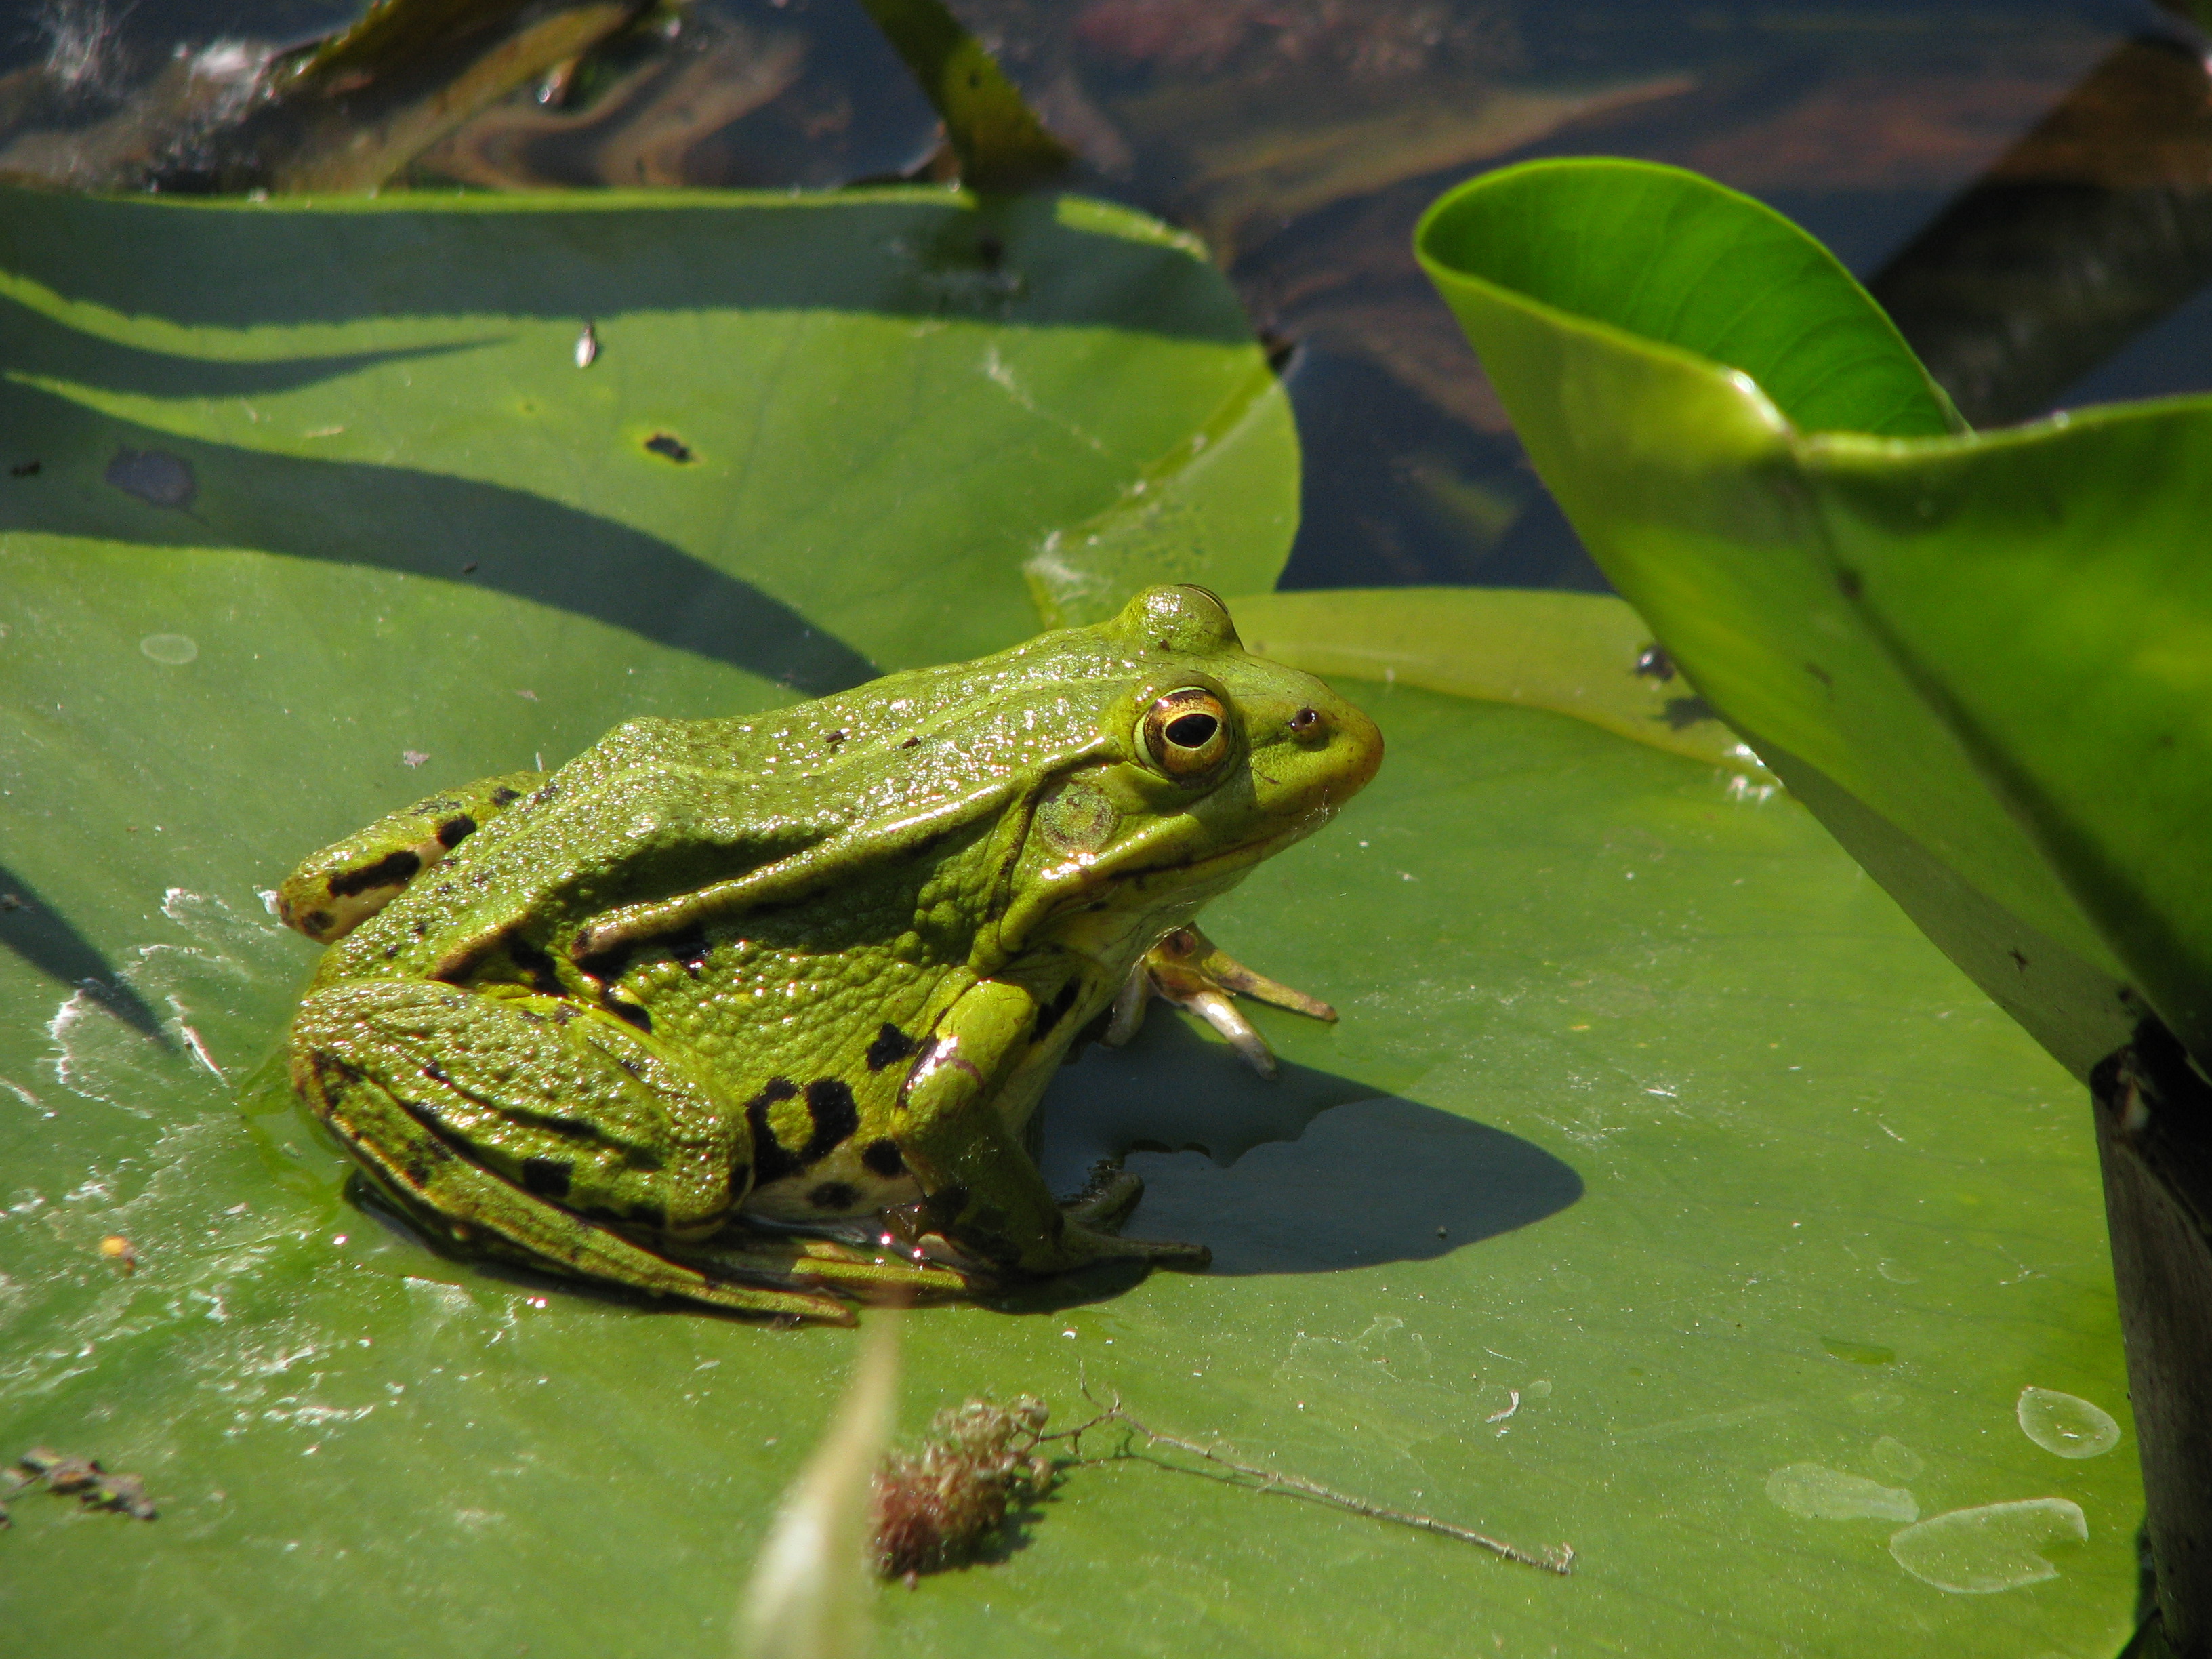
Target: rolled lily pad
1970	653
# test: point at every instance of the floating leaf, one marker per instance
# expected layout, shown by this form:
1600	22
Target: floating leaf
1512	1243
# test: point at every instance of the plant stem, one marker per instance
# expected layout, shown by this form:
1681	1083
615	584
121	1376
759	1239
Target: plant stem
2154	1144
1560	1561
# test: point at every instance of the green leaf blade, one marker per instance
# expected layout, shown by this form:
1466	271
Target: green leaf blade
1611	1024
2047	589
1663	255
1709	511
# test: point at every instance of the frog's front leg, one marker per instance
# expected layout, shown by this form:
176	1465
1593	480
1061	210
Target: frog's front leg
529	1128
335	890
1191	971
979	1186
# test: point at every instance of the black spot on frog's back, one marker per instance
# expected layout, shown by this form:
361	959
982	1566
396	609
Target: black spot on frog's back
544	974
1056	1011
456	830
890	1045
771	1162
833	1115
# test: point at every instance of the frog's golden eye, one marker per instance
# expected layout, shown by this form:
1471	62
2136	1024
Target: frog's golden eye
1186	733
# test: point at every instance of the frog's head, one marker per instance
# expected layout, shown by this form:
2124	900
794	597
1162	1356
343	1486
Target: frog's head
1207	760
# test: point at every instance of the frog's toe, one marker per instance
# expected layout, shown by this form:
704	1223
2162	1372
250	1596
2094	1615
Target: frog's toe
1191	971
1215	1008
1159	1252
1106	1198
890	1270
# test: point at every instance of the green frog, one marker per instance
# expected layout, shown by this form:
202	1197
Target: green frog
758	1010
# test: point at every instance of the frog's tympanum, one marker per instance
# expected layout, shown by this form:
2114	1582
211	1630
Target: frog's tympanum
758	1010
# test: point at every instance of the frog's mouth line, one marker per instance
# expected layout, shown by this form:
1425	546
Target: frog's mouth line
1243	857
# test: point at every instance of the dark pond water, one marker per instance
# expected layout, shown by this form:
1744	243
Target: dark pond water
2028	187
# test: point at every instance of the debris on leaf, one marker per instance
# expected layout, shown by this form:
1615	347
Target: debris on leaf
1559	1560
94	1487
124	1492
62	1474
809	1595
120	1250
941	1506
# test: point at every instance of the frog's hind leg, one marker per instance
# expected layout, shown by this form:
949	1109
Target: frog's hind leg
1191	971
495	1122
335	890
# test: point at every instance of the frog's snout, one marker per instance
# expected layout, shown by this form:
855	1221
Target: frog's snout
1342	739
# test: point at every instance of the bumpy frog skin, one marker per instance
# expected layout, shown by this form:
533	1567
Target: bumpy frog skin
672	1015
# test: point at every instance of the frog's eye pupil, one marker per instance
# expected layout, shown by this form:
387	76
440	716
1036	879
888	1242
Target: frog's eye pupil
1186	733
1192	731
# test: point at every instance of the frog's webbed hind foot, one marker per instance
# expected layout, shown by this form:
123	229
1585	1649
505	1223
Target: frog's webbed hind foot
1100	1210
1191	971
426	1085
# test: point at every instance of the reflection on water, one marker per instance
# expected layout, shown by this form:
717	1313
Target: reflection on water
2024	186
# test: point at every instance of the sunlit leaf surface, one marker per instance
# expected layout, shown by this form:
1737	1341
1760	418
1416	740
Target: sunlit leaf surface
1656	1161
1967	652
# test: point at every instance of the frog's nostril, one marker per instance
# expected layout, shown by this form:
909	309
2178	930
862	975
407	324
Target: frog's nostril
1307	725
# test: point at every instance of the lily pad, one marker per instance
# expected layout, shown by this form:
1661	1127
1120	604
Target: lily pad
1978	657
1584	654
1683	1092
1694	1107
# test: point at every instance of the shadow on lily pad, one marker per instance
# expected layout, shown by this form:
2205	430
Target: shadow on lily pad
102	479
1310	1173
33	929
